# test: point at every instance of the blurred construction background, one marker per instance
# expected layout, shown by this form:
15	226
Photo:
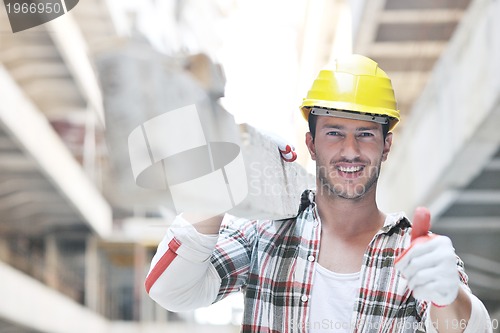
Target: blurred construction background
77	234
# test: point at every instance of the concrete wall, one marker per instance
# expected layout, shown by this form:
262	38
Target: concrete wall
141	84
452	130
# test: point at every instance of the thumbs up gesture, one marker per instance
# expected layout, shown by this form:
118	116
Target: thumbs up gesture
429	264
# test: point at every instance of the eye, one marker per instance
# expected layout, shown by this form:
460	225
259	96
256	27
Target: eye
334	133
365	134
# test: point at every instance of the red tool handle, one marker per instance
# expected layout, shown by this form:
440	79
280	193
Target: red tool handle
421	223
420	228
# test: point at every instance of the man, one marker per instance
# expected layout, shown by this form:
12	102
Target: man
338	266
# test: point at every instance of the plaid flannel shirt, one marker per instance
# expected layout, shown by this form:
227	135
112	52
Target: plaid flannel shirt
273	262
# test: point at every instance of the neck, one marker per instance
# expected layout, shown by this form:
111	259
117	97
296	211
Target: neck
348	217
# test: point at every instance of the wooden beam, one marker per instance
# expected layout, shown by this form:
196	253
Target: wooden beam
408	50
421	16
31	129
467	224
479	197
24	296
74	50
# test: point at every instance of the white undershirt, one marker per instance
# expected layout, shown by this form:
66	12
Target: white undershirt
332	301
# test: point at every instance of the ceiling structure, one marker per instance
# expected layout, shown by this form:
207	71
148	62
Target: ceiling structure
51	114
40	65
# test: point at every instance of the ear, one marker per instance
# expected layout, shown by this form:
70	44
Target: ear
310	145
387	146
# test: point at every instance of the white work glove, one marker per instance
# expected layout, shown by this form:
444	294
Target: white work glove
429	264
287	151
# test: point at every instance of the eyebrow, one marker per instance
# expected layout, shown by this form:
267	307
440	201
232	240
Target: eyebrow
371	128
333	126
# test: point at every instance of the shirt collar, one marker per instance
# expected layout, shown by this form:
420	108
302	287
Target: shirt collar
392	220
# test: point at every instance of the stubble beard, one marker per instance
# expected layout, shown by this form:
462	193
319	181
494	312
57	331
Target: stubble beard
327	174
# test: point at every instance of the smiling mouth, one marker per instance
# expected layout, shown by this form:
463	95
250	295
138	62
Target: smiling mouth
350	169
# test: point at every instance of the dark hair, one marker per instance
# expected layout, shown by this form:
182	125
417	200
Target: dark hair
313	119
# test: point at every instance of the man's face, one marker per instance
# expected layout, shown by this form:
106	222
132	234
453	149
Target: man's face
348	155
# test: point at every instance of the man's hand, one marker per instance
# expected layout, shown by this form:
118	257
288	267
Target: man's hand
429	264
286	150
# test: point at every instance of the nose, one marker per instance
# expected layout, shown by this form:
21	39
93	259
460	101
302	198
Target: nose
350	148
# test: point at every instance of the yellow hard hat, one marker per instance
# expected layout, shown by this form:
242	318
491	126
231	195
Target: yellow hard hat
357	85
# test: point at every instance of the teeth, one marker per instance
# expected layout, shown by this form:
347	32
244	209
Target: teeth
350	169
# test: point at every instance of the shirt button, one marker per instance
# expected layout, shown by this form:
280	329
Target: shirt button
304	298
311	258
